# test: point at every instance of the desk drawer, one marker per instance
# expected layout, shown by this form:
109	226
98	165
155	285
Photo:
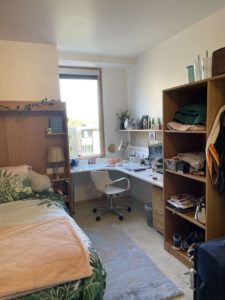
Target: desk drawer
158	221
158	209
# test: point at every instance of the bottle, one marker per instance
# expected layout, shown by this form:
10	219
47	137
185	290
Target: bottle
206	66
144	124
197	69
149	123
153	123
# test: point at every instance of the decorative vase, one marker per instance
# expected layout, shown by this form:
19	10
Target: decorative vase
122	125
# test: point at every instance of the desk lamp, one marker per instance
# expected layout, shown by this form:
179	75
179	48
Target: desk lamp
55	156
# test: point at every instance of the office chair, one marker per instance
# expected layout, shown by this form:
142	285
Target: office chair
105	184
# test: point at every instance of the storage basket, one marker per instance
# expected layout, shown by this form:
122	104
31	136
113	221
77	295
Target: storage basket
218	62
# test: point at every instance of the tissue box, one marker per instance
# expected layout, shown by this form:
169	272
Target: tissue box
218	61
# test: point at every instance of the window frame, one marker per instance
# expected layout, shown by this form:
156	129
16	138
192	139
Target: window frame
81	73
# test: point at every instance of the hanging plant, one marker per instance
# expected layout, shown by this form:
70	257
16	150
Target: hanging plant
29	106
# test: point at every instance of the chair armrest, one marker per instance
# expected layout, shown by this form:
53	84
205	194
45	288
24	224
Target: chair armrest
121	179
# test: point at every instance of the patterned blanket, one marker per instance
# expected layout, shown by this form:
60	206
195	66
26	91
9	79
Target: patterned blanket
88	287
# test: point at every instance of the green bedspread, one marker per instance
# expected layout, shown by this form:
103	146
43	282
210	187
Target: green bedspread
91	288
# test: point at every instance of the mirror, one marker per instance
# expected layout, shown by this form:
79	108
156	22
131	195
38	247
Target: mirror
112	148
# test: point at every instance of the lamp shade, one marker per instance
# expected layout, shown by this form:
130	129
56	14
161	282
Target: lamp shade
55	155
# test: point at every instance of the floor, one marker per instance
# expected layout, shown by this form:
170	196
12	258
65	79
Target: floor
149	240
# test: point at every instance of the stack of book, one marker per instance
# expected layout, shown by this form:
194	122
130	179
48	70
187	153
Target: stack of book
182	202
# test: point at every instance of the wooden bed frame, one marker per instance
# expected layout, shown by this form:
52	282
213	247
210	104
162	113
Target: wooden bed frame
24	138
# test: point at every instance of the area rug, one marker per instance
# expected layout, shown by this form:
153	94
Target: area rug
131	275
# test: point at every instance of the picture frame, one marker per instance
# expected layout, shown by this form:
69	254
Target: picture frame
56	124
144	123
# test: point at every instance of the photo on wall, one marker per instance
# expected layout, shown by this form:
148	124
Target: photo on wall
144	123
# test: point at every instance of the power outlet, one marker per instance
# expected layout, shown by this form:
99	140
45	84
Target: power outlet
61	170
49	171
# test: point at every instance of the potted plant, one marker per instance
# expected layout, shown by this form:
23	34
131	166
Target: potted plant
122	116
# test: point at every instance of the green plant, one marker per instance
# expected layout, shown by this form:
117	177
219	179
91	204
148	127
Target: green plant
123	115
30	106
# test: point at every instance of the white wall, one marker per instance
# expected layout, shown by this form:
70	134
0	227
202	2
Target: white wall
165	65
114	89
28	71
114	92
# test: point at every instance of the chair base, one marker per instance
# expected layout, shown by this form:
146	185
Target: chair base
112	208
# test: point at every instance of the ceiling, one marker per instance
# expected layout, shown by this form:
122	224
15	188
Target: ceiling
116	28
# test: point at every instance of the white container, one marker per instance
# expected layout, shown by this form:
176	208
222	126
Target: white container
206	67
197	70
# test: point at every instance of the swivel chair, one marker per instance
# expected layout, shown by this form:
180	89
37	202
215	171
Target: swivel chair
105	184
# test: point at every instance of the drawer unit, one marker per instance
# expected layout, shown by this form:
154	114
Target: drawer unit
158	209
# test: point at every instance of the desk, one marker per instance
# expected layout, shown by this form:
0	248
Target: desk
145	175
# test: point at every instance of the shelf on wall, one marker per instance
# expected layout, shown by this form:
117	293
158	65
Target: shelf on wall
59	179
141	130
189	216
188	175
56	134
179	254
186	132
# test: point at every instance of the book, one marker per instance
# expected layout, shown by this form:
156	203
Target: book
182	201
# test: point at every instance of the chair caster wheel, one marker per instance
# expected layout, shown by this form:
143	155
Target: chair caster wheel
120	218
129	209
97	218
94	210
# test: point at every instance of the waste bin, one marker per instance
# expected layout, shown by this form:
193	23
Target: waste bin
148	212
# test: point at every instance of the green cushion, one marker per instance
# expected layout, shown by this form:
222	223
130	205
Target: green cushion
13	187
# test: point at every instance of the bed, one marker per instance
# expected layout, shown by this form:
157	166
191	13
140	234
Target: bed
38	243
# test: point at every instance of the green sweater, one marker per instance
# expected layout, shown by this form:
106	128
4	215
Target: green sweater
192	114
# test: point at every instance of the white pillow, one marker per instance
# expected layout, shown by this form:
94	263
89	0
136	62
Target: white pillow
39	182
21	171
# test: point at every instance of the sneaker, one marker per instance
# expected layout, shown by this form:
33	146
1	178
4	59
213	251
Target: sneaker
193	237
191	250
177	238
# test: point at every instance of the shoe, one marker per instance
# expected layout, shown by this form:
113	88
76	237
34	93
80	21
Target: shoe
177	238
191	250
193	237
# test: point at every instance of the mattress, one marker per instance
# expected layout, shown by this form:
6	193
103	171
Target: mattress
48	211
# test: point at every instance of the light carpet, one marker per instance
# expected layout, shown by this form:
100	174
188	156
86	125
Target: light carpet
131	275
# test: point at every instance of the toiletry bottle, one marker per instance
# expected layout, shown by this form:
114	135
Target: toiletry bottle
206	66
197	69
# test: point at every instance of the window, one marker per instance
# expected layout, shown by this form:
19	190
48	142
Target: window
81	90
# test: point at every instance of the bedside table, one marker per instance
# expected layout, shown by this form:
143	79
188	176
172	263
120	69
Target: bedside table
62	186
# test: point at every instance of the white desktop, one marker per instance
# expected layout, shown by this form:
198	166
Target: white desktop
129	168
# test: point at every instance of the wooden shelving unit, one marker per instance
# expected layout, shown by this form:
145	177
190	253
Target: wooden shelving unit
141	130
211	92
179	254
56	134
189	216
186	132
188	175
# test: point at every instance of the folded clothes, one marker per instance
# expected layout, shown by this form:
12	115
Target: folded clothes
195	159
185	127
194	114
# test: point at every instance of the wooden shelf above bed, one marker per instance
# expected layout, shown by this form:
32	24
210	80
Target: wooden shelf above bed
24	138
